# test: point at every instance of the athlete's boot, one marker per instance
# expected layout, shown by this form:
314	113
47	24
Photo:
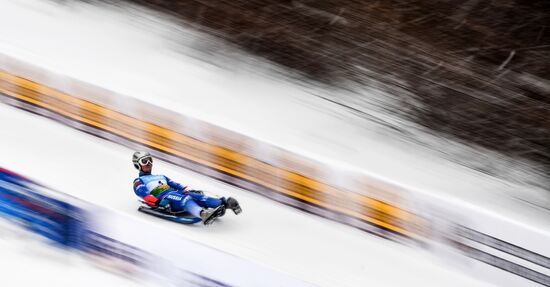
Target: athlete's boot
208	215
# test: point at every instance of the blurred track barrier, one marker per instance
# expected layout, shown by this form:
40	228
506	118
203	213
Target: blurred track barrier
115	242
486	244
33	207
360	201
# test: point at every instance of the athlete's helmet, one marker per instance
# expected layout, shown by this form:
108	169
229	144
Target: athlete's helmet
141	158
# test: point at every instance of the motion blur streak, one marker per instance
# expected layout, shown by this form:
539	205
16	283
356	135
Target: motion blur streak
290	183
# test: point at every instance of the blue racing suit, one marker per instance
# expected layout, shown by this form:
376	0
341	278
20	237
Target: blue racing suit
170	192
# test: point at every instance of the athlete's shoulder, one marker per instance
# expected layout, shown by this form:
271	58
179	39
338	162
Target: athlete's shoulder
138	182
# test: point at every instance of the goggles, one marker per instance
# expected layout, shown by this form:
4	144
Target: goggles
145	160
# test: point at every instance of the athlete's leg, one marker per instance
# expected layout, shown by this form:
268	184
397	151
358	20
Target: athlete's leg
184	202
206	201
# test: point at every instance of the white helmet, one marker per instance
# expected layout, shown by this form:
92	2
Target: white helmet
141	158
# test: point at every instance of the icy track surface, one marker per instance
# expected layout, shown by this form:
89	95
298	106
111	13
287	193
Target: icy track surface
304	246
29	261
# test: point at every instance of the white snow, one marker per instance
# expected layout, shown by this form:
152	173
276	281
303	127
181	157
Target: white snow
306	247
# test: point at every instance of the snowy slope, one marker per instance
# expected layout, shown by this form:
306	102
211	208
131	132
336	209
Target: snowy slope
140	55
304	246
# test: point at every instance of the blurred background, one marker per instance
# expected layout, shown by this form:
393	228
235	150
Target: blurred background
473	72
376	131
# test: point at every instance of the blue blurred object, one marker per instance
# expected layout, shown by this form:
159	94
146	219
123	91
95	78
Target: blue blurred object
21	202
